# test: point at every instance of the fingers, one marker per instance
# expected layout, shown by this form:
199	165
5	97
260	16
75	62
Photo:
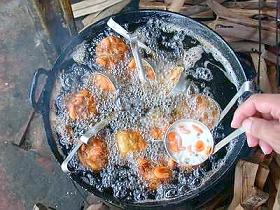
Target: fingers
267	104
266	131
266	148
251	140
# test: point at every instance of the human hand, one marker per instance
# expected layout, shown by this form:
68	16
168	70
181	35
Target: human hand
260	117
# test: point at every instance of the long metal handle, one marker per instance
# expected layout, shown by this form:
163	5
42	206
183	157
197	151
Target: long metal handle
137	58
84	140
64	165
95	129
120	30
247	86
227	139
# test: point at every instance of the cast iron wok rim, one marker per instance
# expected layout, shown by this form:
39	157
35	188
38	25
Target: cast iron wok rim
109	198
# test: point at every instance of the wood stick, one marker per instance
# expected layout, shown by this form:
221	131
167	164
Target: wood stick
94	8
244	179
227	14
261	176
264	81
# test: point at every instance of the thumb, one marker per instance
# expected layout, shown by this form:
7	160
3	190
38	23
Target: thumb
262	129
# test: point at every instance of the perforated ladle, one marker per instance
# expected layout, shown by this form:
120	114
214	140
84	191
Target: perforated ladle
199	138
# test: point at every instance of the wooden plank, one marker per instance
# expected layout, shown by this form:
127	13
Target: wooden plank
105	13
229	29
255	199
264	81
94	8
85	4
261	176
244	179
227	14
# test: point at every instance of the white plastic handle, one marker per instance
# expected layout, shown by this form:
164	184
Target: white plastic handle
246	86
227	139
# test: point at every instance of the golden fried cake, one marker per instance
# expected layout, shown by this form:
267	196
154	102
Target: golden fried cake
94	155
130	141
81	105
153	175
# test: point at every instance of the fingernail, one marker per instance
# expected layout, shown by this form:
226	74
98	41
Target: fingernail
246	124
265	148
267	151
234	124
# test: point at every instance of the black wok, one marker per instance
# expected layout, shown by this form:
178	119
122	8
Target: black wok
222	93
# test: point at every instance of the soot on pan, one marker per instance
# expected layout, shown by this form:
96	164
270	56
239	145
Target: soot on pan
135	166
